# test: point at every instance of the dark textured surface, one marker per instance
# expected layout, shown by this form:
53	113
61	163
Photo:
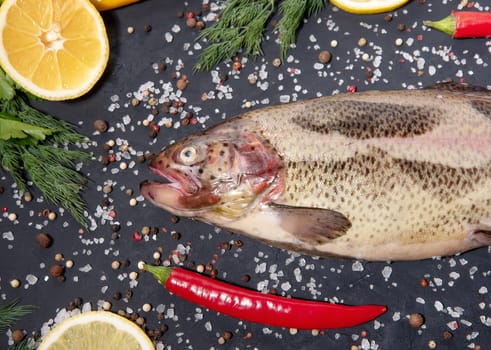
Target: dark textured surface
461	284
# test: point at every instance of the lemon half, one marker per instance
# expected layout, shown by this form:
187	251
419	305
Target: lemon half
368	6
96	330
55	49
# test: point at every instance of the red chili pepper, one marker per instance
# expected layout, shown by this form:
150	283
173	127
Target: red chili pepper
253	306
464	24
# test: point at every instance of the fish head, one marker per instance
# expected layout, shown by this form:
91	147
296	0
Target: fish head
216	175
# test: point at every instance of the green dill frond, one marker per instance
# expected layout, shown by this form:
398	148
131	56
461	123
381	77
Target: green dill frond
35	146
25	344
12	312
245	21
241	26
51	170
10	160
315	6
63	132
292	12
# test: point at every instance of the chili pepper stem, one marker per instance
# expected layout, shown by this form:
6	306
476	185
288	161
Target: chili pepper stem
161	273
445	25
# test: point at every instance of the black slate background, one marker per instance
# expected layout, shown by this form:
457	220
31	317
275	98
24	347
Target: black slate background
130	65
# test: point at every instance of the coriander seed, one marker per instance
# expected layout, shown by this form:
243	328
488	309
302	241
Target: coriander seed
362	42
15	283
27	196
115	265
416	320
106	305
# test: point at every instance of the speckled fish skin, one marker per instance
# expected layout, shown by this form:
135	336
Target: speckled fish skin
394	175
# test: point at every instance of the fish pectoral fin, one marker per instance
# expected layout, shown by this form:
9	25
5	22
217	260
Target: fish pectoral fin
311	225
481	233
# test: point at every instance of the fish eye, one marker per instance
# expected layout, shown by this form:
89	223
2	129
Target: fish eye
188	155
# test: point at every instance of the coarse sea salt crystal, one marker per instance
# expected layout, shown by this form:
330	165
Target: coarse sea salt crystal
285	98
31	279
357	266
9	235
454	275
86	307
485	320
176	28
298	274
365	344
85	268
386	272
286	286
168	37
483	290
438	306
261	268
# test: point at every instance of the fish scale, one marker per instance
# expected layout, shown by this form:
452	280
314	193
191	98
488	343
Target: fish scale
376	175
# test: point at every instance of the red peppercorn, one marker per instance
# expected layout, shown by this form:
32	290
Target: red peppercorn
154	129
352	88
137	236
190	14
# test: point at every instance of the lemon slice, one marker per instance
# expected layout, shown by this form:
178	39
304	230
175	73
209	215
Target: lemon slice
103	5
55	49
96	330
368	6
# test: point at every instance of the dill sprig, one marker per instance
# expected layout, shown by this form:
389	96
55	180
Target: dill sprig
38	147
242	25
25	344
12	312
51	170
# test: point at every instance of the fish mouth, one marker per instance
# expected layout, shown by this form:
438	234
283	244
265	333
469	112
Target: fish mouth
184	182
168	193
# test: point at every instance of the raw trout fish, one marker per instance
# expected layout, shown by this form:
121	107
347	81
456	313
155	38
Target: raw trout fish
397	175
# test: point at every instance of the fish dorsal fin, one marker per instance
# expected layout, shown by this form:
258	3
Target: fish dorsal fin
311	225
458	87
